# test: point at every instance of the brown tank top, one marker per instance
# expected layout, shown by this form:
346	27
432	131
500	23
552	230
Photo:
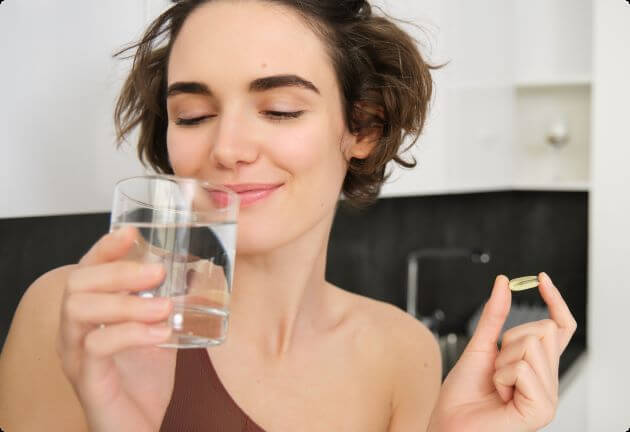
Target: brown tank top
199	401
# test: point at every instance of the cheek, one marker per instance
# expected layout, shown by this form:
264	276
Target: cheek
183	158
310	151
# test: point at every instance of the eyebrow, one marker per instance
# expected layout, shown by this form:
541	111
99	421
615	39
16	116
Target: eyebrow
272	82
188	87
258	85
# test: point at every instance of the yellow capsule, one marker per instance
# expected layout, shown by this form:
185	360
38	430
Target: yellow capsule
524	283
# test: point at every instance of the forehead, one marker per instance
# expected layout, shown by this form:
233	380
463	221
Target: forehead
234	41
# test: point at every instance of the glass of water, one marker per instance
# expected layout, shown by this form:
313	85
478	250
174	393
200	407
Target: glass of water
189	226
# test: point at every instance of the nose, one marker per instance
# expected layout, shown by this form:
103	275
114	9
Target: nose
233	144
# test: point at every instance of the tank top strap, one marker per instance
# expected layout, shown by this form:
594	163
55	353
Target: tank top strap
199	401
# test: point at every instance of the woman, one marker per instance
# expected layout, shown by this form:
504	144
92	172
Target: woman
290	103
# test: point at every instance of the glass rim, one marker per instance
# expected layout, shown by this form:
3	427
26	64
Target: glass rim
190	180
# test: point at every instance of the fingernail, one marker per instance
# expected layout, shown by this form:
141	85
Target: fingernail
547	279
120	232
498	279
495	287
159	331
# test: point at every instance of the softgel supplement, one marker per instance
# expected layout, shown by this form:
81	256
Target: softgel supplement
523	283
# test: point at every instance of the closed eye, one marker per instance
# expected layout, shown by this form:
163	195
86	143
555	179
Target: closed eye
192	121
274	115
282	115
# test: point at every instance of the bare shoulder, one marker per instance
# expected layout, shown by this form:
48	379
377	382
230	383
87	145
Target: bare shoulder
405	333
48	287
35	393
410	352
38	310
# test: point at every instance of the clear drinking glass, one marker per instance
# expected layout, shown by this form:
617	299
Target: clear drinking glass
189	226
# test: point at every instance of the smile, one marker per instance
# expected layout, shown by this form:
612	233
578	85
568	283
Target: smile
249	194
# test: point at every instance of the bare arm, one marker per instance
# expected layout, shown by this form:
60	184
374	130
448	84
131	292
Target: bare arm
35	394
419	372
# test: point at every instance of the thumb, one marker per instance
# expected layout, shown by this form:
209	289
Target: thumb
492	318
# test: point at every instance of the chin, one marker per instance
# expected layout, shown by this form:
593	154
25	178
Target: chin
258	238
273	224
263	233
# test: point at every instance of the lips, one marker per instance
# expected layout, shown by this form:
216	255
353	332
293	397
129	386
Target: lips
249	193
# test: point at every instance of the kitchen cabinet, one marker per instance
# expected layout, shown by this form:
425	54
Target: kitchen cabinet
553	57
553	41
517	73
467	144
540	162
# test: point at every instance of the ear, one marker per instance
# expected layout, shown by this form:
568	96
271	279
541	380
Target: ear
362	145
368	118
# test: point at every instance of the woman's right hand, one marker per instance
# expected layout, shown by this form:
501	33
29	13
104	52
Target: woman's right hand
121	378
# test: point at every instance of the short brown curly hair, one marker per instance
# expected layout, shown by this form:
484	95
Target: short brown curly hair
385	83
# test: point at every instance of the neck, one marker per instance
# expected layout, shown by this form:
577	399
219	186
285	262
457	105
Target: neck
282	295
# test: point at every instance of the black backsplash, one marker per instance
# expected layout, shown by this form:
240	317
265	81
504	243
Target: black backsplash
32	246
525	232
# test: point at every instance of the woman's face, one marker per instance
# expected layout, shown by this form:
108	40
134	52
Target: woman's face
254	103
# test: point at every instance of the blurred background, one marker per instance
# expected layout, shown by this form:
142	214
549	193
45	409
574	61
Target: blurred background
522	168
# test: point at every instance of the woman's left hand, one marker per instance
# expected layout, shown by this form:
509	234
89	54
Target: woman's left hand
514	389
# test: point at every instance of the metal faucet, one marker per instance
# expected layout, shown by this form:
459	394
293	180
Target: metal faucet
413	263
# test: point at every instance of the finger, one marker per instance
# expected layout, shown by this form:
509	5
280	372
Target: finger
111	246
119	276
83	312
107	341
558	310
492	318
546	330
530	349
99	308
103	343
529	401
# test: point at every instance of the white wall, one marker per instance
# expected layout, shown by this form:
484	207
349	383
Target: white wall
609	254
572	408
58	84
429	151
